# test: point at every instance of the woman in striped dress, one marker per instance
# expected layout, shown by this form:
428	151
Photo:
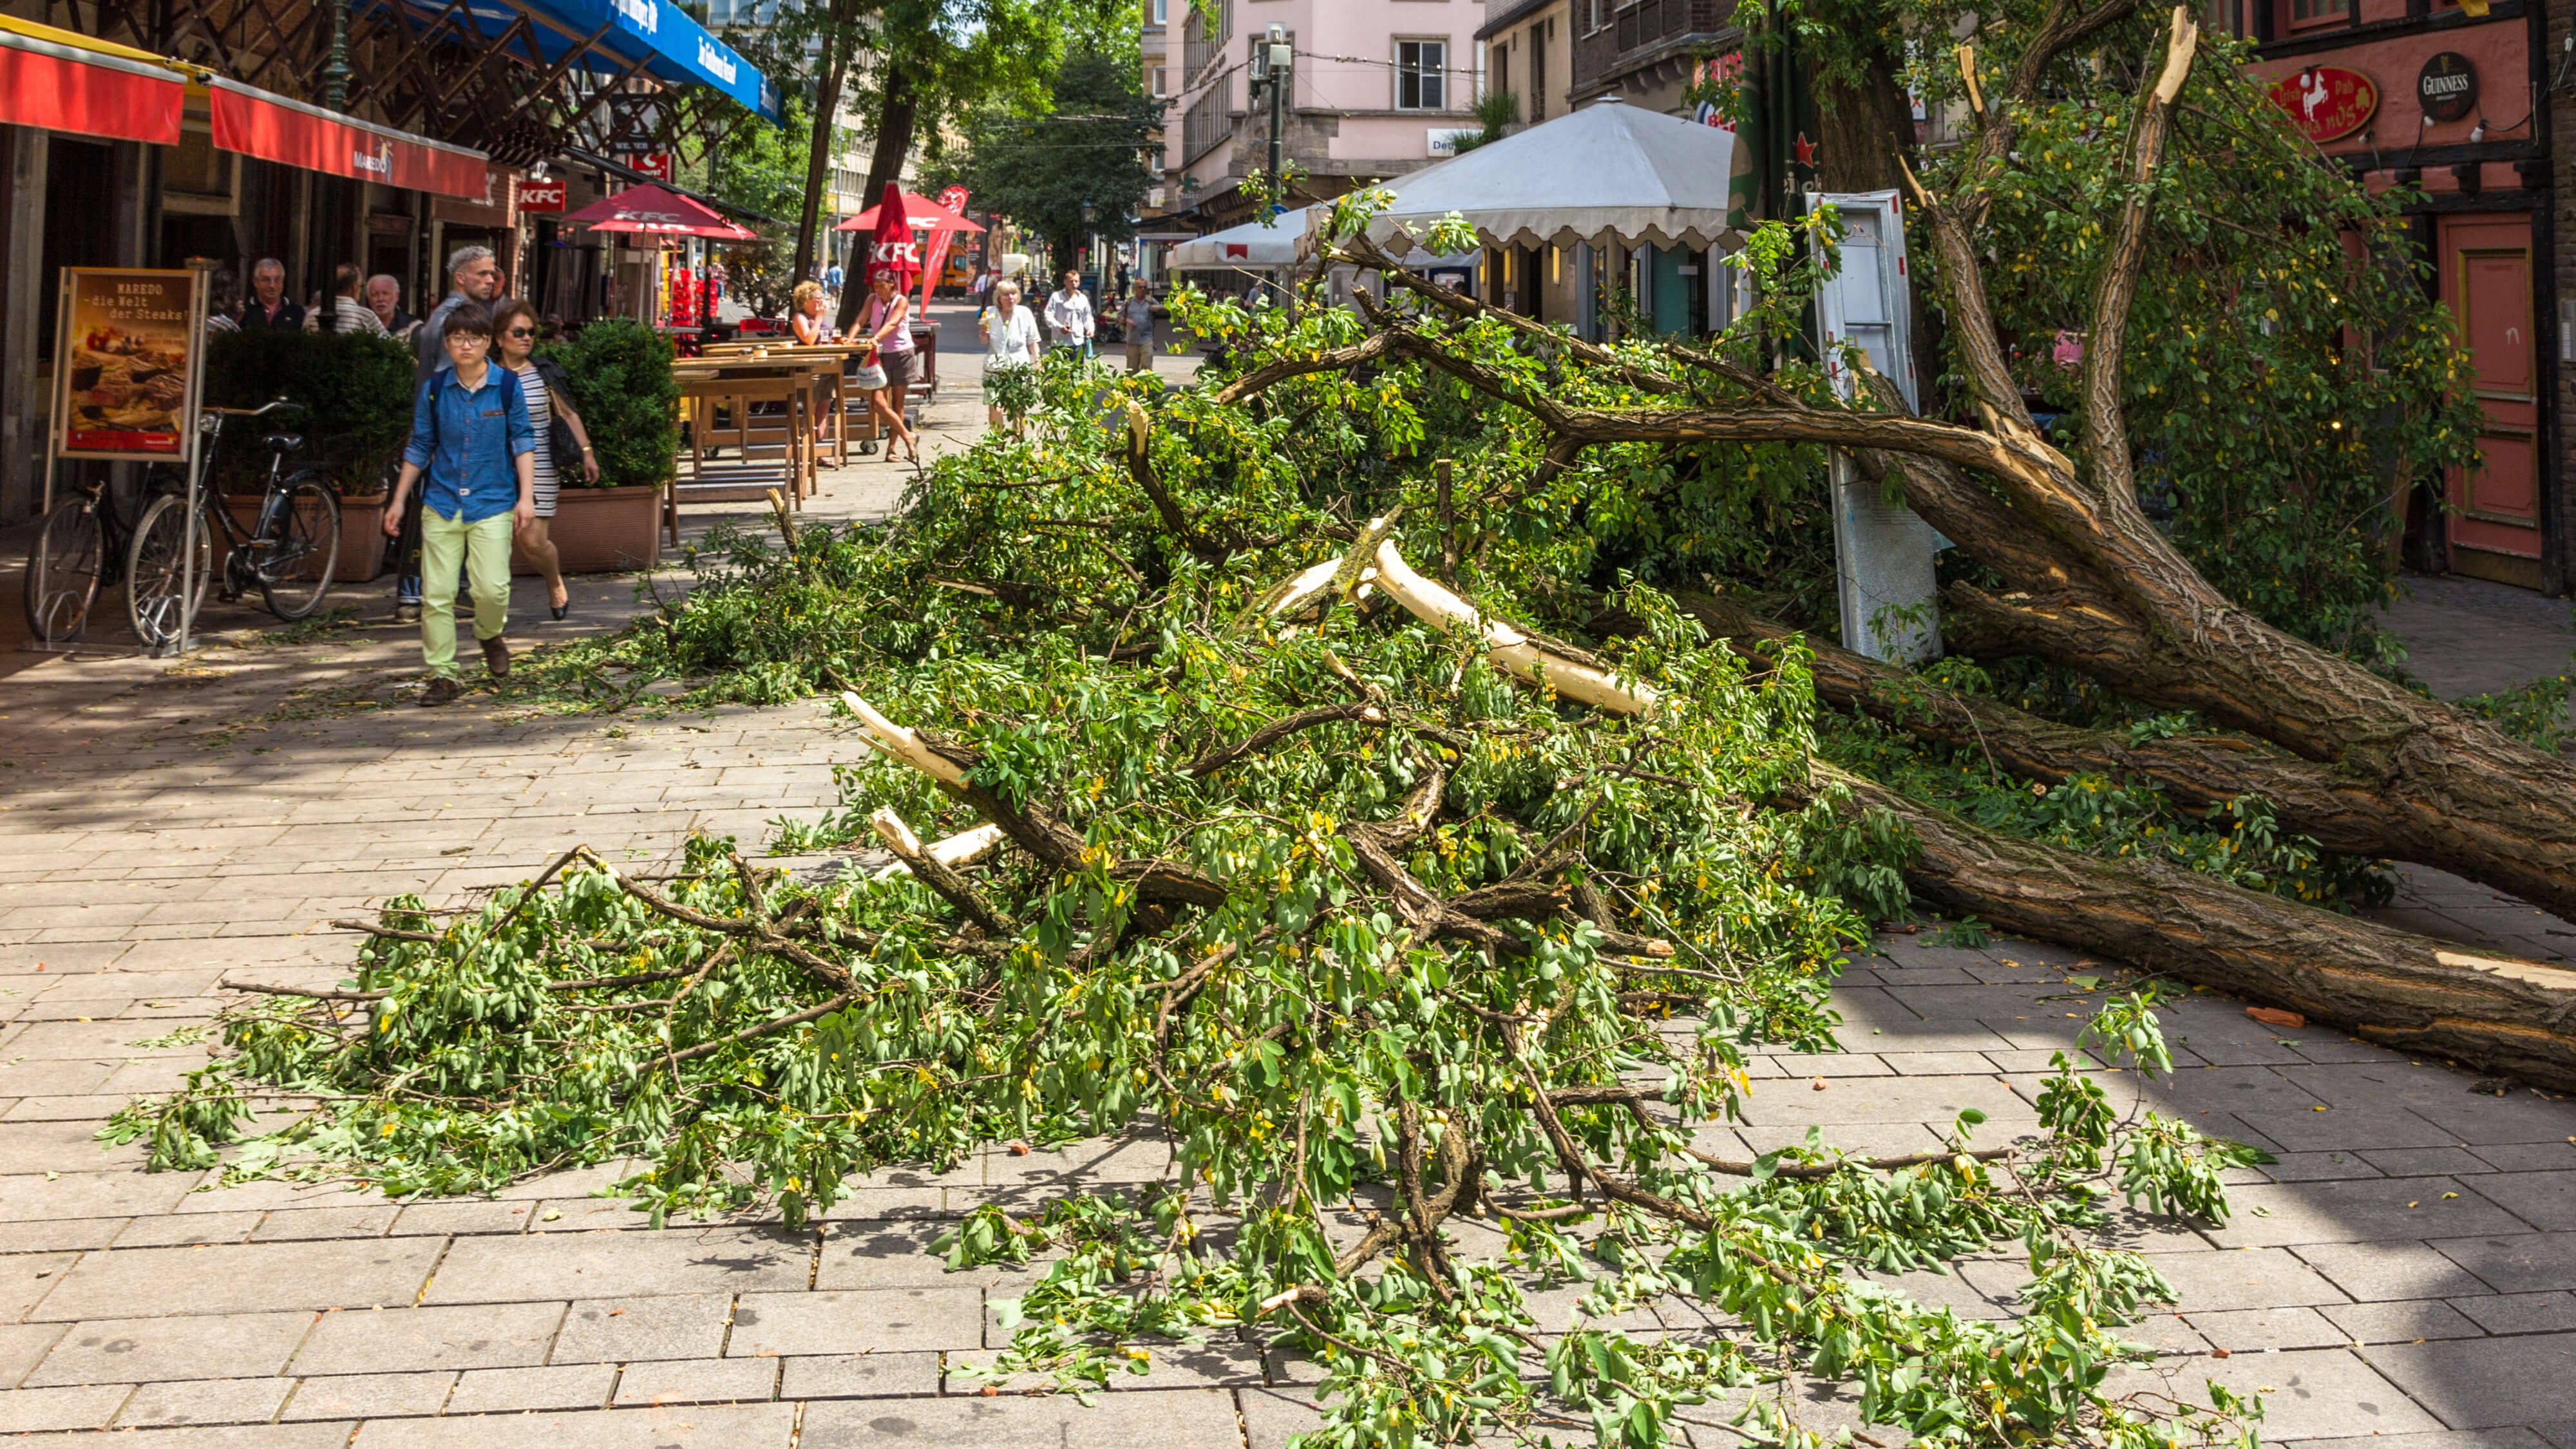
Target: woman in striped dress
559	431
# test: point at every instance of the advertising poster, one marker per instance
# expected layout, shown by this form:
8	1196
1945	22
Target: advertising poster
125	372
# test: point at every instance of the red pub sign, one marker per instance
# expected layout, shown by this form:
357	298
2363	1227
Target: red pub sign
541	195
2327	102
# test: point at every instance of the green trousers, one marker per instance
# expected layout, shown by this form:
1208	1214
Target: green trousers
484	550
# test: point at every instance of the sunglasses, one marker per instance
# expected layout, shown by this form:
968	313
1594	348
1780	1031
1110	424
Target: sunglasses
523	332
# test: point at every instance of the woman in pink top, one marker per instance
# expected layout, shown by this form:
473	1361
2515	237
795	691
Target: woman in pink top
889	326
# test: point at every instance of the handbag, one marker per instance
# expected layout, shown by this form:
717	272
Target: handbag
561	445
868	376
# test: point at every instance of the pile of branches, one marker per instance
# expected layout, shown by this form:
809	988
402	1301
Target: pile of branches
1431	946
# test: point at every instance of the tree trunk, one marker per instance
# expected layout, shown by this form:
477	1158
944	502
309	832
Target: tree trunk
818	153
2391	987
894	142
2197	772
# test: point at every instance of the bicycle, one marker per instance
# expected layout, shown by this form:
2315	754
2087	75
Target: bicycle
288	552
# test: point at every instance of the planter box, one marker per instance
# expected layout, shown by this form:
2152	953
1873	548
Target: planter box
603	531
362	534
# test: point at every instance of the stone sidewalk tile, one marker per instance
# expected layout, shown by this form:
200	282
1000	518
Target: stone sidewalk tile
2246	1330
695	1426
2524	1264
2358	1211
147	1350
2523	1312
861	1376
1272	1416
244	1278
2527	1156
1172	1419
2431	1162
25	1279
518	1390
582	1265
1933	1064
697	1381
300	1224
22	1347
2401	1322
2545	1200
1889	1100
58	1235
622	1330
89	1406
509	1335
2517	1438
2307	1394
186	1230
373	1395
1218	1364
2487	1383
2379	1272
878	1254
874	1320
461	1218
204	1401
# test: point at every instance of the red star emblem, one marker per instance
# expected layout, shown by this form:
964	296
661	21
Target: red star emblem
1806	150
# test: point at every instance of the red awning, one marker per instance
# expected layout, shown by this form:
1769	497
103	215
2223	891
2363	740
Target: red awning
651	209
923	213
273	128
86	91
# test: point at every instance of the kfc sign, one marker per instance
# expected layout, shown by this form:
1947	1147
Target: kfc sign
541	195
903	256
657	165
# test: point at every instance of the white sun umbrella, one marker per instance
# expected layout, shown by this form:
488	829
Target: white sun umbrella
1248	245
1606	172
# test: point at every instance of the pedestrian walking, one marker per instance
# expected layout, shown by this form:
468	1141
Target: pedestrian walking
1010	333
269	306
473	275
888	324
1136	315
384	298
832	276
471	453
1068	316
563	441
344	312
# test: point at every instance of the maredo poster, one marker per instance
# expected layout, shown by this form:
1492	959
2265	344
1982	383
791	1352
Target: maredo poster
125	377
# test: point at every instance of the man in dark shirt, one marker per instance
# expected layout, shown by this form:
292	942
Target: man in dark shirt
269	305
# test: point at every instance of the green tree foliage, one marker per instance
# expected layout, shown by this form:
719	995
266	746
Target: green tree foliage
620	371
1431	974
1088	145
2284	381
356	388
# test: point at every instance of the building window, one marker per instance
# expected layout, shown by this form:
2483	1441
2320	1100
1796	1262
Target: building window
1158	12
1421	75
2318	12
1537	75
1161	76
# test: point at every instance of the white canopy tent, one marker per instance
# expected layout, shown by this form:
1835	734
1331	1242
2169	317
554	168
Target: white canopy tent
1249	245
1606	173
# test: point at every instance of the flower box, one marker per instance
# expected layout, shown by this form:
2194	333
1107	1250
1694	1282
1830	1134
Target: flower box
362	534
603	531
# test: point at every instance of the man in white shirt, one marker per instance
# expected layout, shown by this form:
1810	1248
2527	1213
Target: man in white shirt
1068	314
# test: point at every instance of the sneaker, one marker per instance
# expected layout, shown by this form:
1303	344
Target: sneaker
496	657
407	612
441	690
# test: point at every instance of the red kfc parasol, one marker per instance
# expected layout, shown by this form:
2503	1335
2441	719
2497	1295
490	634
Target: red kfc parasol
650	209
894	252
921	212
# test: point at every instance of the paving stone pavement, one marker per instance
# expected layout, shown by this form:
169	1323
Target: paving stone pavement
2404	1273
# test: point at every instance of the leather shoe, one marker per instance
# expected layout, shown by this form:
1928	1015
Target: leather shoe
442	690
496	657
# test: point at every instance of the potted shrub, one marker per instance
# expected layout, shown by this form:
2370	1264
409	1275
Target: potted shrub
356	389
620	372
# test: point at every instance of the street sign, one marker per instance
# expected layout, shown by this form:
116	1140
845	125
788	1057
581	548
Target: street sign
2327	102
1882	553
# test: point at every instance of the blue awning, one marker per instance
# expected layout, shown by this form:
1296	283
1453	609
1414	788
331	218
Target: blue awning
654	37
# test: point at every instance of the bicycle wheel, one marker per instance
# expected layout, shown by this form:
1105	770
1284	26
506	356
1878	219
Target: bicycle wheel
153	572
63	572
303	549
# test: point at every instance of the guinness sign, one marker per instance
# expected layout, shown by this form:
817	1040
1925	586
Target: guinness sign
2447	87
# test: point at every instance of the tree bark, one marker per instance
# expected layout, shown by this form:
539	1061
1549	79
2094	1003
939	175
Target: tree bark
818	151
895	120
2390	987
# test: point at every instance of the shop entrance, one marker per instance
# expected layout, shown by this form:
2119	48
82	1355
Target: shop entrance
2486	282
